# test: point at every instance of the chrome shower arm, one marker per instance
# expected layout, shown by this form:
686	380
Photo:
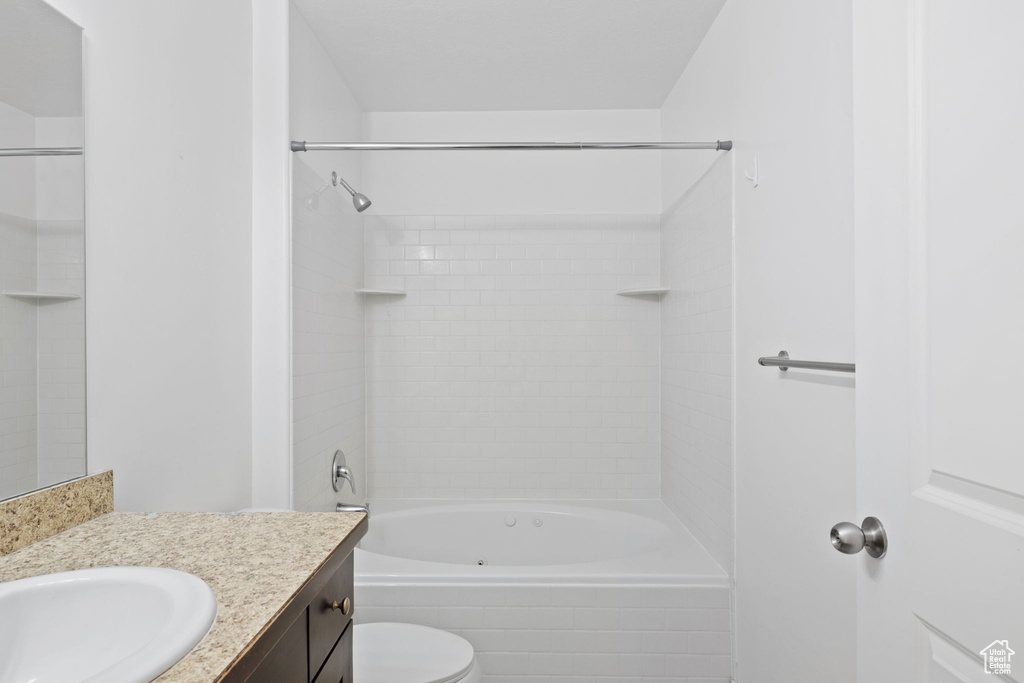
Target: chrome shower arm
342	182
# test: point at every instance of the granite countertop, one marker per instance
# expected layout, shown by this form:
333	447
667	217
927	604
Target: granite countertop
254	562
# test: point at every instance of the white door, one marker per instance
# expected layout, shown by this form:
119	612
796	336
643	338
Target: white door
939	201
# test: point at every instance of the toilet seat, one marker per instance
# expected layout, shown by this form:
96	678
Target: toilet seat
408	653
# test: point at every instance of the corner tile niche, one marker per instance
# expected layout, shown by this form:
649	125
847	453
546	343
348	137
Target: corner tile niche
38	515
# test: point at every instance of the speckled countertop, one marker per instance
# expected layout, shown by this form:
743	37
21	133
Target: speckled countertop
254	563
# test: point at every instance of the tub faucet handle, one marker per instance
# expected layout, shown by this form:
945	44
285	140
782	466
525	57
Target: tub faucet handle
342	472
339	471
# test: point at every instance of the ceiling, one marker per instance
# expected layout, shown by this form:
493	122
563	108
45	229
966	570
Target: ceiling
41	54
493	55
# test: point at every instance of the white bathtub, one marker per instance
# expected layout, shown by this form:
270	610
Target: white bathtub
608	542
615	590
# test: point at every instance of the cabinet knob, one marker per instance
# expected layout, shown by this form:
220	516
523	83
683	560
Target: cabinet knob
345	606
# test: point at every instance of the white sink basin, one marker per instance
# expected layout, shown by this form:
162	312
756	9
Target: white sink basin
110	625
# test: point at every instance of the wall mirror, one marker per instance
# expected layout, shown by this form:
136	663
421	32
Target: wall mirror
42	249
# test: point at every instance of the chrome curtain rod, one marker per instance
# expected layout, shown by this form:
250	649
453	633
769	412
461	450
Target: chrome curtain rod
784	362
39	151
303	146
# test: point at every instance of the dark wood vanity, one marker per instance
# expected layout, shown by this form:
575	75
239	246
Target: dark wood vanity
282	580
310	640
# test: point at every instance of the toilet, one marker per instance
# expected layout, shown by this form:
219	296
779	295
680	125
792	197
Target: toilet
408	653
388	652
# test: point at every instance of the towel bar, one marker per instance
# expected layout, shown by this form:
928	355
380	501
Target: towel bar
784	362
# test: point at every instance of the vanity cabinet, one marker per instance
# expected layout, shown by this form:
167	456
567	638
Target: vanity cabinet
310	641
338	667
285	663
328	616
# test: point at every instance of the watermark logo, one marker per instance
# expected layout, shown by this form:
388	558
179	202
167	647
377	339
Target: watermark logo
997	657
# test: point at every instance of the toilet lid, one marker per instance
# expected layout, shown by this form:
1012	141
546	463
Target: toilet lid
407	653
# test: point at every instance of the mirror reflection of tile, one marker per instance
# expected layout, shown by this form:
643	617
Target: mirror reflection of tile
42	250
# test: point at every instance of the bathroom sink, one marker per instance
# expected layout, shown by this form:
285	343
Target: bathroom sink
108	625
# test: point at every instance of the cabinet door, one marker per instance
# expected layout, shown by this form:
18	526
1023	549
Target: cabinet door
338	667
326	624
286	662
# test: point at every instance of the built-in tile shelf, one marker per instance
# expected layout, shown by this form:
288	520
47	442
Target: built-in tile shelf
381	292
43	296
644	291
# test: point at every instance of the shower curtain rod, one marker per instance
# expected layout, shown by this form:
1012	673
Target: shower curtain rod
304	146
39	151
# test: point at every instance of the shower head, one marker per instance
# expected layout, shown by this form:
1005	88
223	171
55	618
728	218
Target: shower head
359	200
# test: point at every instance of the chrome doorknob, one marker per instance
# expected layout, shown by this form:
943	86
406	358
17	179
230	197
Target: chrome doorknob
850	539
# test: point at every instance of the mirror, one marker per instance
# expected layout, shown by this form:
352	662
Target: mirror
42	249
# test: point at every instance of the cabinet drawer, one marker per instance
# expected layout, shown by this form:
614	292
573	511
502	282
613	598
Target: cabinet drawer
338	667
325	623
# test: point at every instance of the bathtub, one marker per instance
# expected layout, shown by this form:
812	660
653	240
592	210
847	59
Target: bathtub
608	591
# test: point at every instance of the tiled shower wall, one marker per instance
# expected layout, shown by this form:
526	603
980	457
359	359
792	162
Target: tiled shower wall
697	358
42	364
18	422
511	369
556	633
328	406
61	350
42	341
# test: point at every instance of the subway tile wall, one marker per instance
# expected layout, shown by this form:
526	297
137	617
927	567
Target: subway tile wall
61	350
18	396
697	359
572	633
511	369
328	405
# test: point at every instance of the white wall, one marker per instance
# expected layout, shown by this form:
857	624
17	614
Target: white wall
322	108
489	183
697	361
328	368
775	77
271	258
168	112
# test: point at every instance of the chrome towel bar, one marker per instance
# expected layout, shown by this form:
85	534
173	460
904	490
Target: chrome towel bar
40	151
784	362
